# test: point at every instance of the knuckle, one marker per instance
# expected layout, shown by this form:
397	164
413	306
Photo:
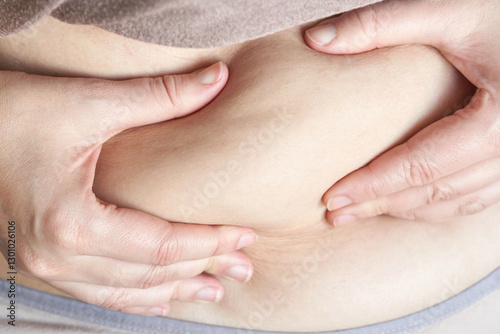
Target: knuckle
367	18
374	187
167	91
221	243
114	298
64	233
154	276
218	246
371	189
440	192
418	171
374	20
470	206
35	266
169	250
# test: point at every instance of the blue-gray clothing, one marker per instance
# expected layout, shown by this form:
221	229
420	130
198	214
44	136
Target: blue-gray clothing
40	312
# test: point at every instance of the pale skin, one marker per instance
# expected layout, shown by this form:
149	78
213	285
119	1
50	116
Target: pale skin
52	132
448	178
288	124
327	116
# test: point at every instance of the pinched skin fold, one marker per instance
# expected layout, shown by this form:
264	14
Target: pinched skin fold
289	123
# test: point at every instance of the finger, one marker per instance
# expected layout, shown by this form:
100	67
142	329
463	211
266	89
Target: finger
236	266
119	274
132	236
445	147
464	182
466	205
159	310
386	24
202	288
119	105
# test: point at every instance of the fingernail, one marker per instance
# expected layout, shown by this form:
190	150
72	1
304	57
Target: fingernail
211	74
343	220
246	240
337	202
157	311
323	34
240	273
209	294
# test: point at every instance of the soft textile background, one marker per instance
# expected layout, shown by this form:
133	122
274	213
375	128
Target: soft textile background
181	23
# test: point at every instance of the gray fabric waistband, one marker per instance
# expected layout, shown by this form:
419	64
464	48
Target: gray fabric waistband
82	312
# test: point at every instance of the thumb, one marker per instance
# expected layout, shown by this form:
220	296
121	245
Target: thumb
137	102
384	24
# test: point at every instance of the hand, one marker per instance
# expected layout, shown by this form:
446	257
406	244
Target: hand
52	130
452	167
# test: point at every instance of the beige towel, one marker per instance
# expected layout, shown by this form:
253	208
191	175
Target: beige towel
181	23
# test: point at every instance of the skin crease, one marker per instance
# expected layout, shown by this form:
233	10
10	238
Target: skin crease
159	168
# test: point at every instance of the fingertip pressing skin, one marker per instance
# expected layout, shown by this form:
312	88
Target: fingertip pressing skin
235	266
247	239
209	295
212	74
343	220
240	273
337	202
188	93
159	311
338	219
386	23
322	35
